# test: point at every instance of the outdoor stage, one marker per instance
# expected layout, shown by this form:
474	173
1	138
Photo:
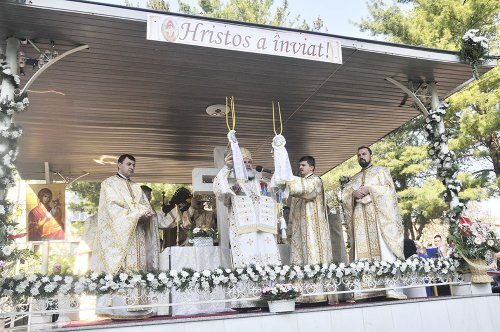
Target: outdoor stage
453	313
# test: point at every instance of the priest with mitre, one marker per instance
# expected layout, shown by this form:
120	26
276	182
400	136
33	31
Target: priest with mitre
252	214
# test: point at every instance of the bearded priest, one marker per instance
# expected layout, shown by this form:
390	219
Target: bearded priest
372	210
120	244
252	215
252	218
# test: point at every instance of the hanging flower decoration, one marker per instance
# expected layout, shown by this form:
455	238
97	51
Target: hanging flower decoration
473	50
9	133
42	286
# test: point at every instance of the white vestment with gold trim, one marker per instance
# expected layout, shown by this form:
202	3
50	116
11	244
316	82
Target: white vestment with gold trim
311	242
120	243
252	221
375	221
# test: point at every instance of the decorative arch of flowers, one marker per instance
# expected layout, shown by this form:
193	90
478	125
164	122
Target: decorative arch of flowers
9	134
474	49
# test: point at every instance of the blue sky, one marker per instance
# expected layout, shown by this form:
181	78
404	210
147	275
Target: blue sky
336	14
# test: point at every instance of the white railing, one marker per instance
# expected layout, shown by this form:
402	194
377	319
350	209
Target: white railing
39	311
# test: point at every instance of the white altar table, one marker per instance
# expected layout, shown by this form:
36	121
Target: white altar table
197	258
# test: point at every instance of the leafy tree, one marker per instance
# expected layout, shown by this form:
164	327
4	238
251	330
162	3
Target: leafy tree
431	23
167	188
152	4
251	11
88	193
473	117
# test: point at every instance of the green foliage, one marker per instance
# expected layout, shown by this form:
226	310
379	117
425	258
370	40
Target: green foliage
152	4
476	121
88	193
168	188
425	200
158	5
431	23
251	11
473	117
331	179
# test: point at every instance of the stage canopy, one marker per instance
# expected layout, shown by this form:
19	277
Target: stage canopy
127	94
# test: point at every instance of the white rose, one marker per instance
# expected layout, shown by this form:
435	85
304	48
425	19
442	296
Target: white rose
7	250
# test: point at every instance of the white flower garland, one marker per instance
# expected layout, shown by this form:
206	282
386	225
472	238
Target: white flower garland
43	286
444	160
9	133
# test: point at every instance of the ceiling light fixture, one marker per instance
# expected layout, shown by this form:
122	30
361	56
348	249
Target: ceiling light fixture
216	110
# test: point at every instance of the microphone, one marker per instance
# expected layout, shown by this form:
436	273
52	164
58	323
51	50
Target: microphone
261	169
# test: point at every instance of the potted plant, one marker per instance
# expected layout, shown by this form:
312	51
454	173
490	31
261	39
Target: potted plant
202	236
281	297
473	240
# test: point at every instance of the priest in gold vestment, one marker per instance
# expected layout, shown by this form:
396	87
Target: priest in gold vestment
372	210
310	230
120	243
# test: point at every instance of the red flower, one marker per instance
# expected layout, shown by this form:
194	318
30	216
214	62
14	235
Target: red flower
17	236
464	220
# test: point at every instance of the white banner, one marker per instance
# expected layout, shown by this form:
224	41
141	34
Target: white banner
181	30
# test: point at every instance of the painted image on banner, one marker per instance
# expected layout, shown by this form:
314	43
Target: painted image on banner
301	45
45	207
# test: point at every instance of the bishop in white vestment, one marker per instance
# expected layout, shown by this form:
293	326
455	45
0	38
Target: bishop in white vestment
252	216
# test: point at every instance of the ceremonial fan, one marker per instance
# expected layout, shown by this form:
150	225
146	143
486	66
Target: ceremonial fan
282	169
238	164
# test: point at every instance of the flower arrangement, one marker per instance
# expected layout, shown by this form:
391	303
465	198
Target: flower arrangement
473	50
42	286
280	292
202	231
473	239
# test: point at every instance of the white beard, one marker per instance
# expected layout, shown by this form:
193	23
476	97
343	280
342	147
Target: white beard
251	174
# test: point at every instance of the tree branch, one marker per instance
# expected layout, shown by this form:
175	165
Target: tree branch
484	170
